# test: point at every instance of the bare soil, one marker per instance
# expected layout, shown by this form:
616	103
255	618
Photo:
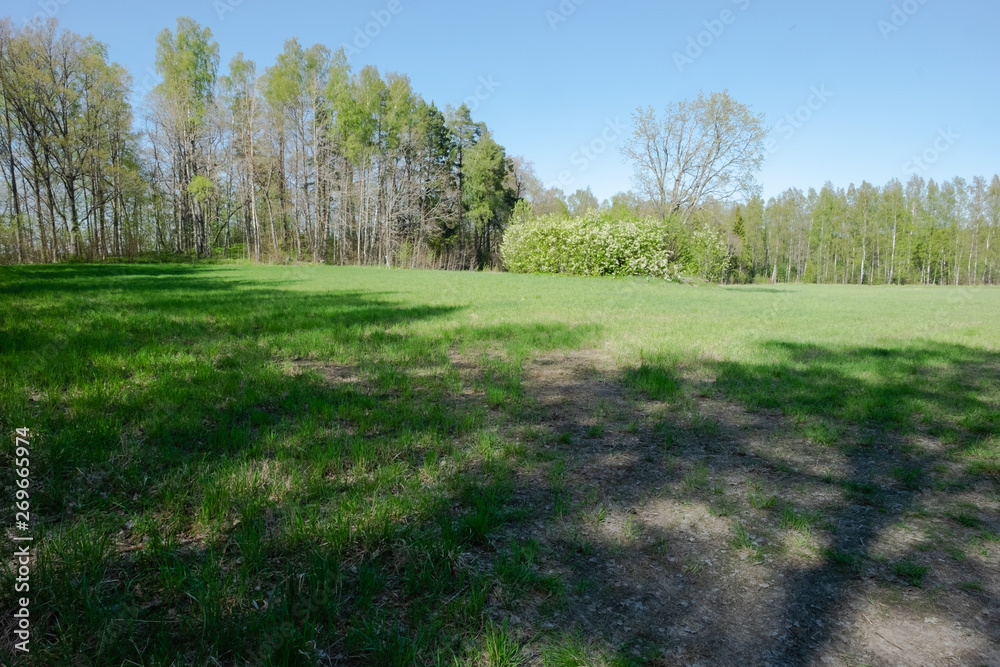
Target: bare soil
649	542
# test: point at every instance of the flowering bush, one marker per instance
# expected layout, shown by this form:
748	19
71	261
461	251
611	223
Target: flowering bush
597	244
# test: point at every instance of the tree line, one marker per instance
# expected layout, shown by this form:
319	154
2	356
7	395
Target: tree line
301	160
69	156
695	167
921	232
309	160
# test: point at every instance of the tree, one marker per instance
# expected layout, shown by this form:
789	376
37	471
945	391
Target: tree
864	202
487	200
242	96
992	212
549	200
710	147
435	201
743	254
306	159
582	201
894	214
65	134
522	179
188	61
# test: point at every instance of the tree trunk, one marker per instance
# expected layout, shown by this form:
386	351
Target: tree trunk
892	262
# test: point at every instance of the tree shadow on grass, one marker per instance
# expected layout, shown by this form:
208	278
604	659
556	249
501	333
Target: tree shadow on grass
231	473
224	471
59	280
943	396
853	452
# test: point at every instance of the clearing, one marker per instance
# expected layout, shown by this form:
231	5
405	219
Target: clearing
343	466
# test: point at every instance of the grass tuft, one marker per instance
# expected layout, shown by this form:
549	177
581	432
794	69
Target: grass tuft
502	647
910	572
655	378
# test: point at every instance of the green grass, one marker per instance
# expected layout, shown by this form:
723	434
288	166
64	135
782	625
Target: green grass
654	378
742	541
800	520
696	478
863	493
253	465
844	559
909	478
502	647
631	528
967	518
910	572
758	498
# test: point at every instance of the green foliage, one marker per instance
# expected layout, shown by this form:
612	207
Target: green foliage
188	60
201	188
741	538
909	477
571	651
709	256
744	270
582	201
597	244
845	559
485	197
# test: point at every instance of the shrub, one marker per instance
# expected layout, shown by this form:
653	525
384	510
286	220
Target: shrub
709	256
596	244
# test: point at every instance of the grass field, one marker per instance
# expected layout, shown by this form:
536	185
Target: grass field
315	465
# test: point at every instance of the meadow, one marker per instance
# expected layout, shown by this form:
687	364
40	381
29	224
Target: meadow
275	465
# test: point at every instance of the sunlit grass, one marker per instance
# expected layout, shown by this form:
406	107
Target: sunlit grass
255	464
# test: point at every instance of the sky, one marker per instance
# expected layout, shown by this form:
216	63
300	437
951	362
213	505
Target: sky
852	90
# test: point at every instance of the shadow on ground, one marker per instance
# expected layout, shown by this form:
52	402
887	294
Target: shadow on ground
229	473
818	508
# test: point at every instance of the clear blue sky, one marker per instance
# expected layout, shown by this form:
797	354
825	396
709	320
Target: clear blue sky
560	83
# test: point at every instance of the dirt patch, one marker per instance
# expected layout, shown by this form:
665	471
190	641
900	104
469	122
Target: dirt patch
332	373
692	531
